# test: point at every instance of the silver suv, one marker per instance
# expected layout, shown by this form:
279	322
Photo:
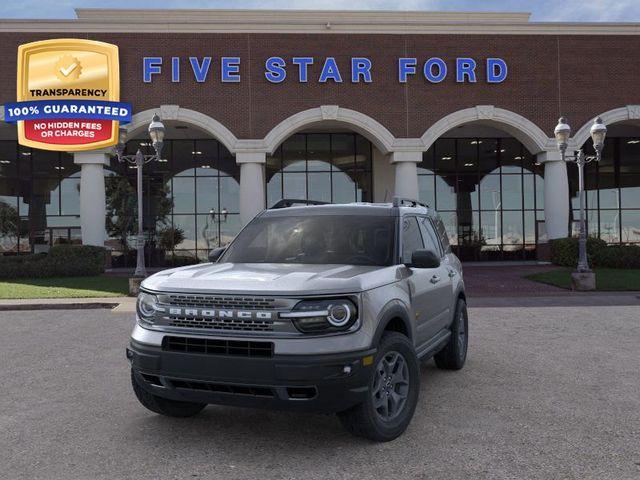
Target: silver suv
320	308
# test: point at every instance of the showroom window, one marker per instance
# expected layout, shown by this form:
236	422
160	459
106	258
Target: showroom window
191	201
612	189
489	193
329	167
39	199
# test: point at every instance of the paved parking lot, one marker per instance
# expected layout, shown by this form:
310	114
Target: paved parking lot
547	393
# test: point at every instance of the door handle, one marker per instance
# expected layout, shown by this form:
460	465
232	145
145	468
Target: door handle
435	279
452	273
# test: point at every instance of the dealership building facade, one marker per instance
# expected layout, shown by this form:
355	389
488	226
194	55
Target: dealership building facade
456	109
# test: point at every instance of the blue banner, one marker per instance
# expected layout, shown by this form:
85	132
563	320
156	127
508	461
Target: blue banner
67	109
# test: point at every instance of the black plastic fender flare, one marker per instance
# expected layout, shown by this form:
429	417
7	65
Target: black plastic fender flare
393	309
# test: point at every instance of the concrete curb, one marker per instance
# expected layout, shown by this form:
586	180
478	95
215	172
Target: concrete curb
56	306
111	303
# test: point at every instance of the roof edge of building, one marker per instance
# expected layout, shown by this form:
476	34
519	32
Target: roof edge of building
311	21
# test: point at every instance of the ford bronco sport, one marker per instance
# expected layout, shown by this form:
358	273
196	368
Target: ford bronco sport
320	308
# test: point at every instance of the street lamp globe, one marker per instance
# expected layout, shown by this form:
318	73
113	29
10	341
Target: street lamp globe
562	133
156	133
598	132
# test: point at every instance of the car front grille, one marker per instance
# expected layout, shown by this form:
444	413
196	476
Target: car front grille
251	390
222	324
218	301
209	346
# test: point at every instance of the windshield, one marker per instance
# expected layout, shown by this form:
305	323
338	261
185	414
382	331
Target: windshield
319	239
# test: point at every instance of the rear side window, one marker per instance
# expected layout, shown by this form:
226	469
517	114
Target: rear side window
411	238
442	235
429	236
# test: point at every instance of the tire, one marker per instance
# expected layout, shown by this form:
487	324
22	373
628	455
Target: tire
454	354
164	406
368	419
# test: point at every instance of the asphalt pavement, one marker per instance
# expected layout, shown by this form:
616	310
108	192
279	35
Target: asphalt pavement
547	393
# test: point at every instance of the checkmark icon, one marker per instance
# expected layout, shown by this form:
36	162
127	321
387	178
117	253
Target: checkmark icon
68	68
66	71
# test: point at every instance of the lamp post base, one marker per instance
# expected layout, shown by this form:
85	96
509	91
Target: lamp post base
583	281
134	285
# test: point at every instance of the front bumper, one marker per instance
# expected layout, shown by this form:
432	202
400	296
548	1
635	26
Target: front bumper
312	383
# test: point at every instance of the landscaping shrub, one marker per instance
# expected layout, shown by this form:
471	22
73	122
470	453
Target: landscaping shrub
564	252
61	261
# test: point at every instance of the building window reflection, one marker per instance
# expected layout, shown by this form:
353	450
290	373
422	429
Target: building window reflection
329	167
191	201
612	191
489	194
39	199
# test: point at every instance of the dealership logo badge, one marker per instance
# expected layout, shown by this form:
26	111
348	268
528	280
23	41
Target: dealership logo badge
68	95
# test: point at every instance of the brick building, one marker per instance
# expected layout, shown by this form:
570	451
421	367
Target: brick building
457	109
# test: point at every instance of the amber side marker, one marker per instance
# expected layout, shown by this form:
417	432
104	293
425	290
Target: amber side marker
368	360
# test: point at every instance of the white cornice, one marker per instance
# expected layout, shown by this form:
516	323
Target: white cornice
298	16
296	21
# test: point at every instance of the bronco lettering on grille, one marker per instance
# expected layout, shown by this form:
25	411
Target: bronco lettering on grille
210	313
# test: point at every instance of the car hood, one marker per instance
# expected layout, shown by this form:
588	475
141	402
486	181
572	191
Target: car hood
271	279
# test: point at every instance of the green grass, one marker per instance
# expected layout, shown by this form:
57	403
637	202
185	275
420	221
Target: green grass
69	287
607	279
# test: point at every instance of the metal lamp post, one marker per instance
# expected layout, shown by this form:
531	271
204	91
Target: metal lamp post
156	133
562	133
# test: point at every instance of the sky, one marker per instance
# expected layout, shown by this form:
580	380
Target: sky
542	10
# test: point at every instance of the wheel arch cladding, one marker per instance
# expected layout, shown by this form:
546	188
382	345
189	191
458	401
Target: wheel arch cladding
394	318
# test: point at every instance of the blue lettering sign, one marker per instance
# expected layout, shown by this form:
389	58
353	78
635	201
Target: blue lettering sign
230	69
496	70
465	67
330	71
275	69
303	66
151	66
200	71
175	69
428	70
406	66
360	67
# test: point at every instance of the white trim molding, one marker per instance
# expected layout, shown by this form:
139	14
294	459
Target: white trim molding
141	120
531	136
373	130
622	114
199	21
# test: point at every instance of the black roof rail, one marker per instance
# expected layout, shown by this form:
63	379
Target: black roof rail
292	202
400	201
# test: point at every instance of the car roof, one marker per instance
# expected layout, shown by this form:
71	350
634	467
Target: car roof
356	208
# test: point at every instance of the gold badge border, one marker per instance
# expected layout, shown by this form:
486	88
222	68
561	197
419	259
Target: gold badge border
63	45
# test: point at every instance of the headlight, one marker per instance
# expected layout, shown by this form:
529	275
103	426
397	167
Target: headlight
146	306
326	315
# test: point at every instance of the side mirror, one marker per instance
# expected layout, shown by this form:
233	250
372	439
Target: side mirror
216	253
424	259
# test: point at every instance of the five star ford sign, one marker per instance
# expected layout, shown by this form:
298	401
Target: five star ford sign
68	95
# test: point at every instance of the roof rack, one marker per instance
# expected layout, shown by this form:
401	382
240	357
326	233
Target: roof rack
293	202
400	201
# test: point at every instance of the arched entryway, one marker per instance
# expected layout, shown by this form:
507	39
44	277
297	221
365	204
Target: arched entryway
191	197
328	154
482	174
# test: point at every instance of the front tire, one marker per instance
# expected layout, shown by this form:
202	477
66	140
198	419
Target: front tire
454	354
393	396
164	406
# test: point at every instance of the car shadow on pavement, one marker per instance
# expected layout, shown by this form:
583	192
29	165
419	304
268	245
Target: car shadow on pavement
231	427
